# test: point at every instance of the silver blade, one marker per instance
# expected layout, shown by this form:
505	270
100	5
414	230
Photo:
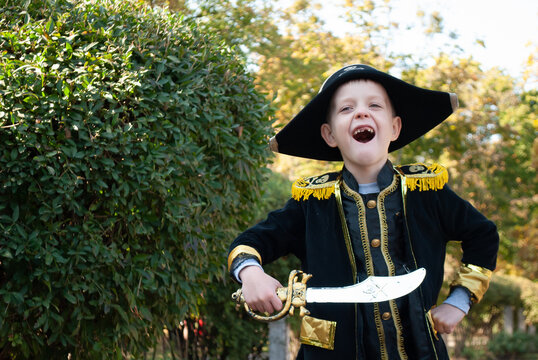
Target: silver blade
373	289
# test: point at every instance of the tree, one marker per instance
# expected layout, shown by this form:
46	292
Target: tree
125	170
489	145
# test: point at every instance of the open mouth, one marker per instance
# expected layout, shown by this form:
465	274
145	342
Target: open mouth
364	134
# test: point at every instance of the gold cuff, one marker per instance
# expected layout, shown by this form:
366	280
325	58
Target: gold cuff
475	279
242	249
317	332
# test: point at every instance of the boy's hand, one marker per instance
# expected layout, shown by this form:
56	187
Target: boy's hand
446	317
259	290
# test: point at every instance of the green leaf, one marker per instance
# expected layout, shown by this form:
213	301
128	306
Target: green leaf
15	215
145	313
49	27
70	298
121	312
6	253
48	259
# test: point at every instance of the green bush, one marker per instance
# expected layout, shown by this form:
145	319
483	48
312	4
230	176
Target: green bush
475	353
131	148
516	346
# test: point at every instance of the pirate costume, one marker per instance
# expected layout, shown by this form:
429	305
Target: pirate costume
343	232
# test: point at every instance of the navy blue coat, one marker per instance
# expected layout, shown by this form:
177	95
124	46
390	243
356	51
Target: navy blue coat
311	229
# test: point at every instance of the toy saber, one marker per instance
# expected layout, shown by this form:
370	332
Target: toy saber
373	289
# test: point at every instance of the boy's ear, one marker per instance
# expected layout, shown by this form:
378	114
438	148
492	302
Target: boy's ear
396	127
327	135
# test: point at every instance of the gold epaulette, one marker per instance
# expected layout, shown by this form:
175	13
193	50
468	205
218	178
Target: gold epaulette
321	187
423	177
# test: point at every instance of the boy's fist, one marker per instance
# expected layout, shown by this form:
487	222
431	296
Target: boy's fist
259	290
446	317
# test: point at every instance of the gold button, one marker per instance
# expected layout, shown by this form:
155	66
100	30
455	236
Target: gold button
385	316
371	204
375	243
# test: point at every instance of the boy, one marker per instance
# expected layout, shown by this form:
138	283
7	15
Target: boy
369	219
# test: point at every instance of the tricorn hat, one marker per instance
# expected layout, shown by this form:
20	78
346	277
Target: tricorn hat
420	110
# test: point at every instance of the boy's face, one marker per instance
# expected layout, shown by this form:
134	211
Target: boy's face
361	123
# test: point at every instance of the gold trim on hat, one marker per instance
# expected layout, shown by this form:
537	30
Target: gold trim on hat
454	101
273	144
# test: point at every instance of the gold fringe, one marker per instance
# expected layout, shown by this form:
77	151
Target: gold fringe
302	189
434	178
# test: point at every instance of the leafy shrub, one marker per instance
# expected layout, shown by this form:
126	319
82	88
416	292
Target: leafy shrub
131	152
518	345
474	353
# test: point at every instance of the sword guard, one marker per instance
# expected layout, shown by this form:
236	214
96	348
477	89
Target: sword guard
293	296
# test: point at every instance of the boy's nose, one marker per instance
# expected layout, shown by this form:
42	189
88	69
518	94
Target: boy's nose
361	113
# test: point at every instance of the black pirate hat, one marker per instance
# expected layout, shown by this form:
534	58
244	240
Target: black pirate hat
420	110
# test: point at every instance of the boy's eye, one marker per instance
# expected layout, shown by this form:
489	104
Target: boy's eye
345	108
375	105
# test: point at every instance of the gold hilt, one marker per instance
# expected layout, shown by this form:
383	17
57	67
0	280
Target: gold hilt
293	296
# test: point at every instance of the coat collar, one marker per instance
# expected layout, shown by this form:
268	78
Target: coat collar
384	178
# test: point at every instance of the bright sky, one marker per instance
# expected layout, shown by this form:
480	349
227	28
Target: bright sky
507	27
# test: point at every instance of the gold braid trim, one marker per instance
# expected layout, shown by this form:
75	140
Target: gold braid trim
380	333
369	263
475	279
423	177
318	186
345	230
362	227
383	226
242	249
